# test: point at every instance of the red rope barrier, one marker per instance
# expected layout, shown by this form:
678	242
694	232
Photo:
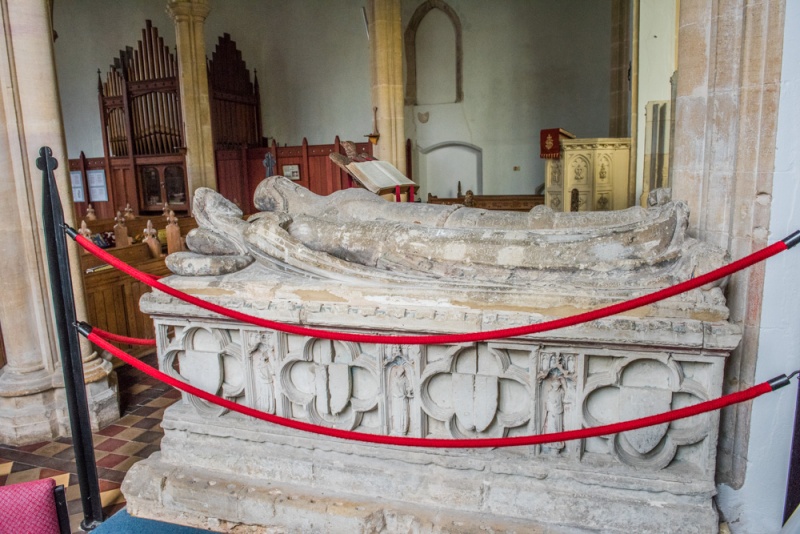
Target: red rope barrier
554	324
110	336
583	433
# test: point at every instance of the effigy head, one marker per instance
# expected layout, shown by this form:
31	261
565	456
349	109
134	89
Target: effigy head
278	193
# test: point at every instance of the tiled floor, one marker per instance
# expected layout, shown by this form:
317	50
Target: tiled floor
117	447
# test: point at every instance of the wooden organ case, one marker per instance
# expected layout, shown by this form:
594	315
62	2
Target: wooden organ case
235	114
235	100
143	138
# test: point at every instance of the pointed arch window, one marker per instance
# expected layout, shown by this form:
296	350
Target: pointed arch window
421	63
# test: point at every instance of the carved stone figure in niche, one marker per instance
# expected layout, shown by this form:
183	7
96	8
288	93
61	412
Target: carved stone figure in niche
402	392
555	373
355	235
554	412
264	356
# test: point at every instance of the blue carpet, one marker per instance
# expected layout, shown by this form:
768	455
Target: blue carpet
121	523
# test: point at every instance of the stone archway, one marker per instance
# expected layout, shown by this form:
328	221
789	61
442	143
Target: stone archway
461	158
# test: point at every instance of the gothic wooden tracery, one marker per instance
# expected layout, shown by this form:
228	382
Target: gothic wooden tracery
143	137
235	100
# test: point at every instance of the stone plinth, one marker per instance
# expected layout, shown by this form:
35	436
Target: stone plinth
221	469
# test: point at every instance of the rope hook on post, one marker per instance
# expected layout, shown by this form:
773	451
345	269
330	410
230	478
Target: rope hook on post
781	381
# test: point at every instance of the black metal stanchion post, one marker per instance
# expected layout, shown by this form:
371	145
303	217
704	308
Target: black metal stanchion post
792	501
71	363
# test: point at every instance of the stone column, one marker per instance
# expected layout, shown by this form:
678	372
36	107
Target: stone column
729	72
189	16
386	58
32	400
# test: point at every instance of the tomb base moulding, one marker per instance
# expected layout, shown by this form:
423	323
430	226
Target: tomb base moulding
226	472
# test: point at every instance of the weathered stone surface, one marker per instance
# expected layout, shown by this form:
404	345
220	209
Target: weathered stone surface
353	235
267	507
223	471
193	264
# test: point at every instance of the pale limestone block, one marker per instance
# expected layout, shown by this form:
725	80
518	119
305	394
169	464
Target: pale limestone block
693	54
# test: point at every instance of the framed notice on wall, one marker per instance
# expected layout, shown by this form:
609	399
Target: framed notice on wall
291	172
76	179
98	192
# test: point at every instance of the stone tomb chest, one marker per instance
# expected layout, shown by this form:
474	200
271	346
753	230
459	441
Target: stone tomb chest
352	262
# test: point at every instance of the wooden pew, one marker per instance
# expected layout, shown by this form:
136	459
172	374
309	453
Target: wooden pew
112	297
136	226
492	202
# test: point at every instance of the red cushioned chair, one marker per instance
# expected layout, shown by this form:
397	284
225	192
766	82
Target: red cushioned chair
36	507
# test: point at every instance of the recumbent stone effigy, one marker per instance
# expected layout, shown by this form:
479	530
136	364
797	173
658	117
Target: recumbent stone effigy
353	262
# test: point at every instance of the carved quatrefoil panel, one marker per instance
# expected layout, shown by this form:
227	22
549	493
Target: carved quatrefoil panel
639	387
476	391
210	360
333	381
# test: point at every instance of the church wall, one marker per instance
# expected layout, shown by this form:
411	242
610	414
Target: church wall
528	65
758	505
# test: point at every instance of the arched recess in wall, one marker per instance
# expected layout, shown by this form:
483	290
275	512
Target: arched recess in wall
451	162
411	48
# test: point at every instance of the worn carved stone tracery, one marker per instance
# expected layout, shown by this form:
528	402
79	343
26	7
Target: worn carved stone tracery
210	360
353	262
333	383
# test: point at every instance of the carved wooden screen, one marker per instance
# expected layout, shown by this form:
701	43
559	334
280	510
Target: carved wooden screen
142	126
235	100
